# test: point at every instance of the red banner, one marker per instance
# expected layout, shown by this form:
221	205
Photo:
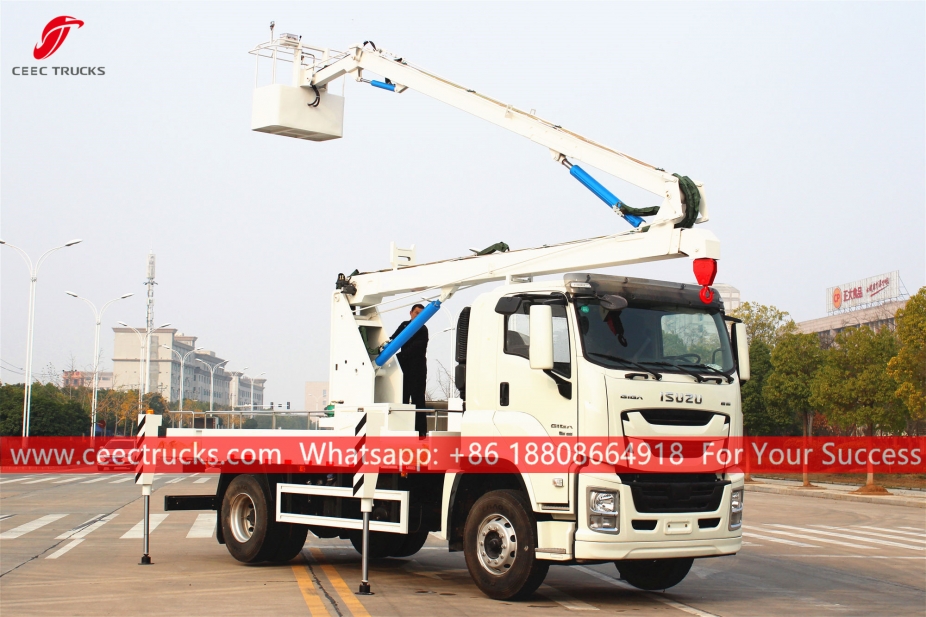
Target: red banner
300	454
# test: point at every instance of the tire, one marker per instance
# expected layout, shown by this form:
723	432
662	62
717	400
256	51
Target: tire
247	523
411	544
654	574
499	543
382	544
291	539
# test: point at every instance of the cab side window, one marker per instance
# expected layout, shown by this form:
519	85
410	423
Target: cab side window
517	332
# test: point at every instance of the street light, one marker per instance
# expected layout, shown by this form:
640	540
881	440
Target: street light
96	349
251	379
33	277
143	342
212	368
182	360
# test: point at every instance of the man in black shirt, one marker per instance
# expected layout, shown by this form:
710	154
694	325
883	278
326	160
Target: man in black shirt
414	362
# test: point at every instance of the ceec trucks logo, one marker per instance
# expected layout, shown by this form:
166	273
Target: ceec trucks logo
53	36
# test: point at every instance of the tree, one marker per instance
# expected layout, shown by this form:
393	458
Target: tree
908	367
764	323
853	389
52	413
756	419
795	361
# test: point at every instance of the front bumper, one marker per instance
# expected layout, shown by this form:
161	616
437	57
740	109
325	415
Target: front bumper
672	534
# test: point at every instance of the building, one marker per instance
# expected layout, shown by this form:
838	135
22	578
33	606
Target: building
241	388
84	379
316	395
169	349
730	296
875	317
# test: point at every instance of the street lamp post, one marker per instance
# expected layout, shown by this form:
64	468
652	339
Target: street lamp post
143	341
251	379
33	278
182	361
96	350
212	368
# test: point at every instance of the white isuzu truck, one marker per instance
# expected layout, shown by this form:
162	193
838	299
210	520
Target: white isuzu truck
582	355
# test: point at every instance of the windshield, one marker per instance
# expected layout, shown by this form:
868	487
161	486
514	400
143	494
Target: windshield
654	336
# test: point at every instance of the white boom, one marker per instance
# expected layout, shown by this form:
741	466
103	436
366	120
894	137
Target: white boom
313	75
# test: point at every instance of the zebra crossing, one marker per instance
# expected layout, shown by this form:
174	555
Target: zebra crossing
202	527
864	538
109	478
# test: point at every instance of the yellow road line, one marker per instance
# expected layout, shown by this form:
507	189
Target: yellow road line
315	604
339	585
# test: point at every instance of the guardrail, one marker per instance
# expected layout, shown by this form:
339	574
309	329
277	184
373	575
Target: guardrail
285	420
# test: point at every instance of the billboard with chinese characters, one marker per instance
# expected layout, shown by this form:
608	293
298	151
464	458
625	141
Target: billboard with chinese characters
865	291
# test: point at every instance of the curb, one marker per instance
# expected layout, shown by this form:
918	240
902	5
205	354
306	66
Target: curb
891	500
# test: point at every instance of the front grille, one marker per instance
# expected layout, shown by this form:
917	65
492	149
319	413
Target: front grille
654	493
676	417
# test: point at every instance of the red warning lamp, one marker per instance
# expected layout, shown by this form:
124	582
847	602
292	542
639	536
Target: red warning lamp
705	269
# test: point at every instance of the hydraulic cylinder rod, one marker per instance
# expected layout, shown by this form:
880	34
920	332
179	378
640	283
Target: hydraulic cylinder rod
604	194
409	331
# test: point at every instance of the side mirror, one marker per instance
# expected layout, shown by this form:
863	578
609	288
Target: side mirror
541	331
741	344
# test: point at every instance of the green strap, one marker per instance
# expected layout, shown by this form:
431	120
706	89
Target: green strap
692	199
499	247
624	208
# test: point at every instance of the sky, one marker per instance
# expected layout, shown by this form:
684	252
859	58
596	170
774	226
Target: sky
804	121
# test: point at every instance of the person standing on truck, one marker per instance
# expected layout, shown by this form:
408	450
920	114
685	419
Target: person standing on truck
414	361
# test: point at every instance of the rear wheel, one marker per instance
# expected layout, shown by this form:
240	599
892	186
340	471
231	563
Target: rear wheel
289	543
382	544
500	540
411	544
246	521
654	574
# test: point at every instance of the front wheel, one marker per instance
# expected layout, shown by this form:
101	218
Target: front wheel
500	542
654	574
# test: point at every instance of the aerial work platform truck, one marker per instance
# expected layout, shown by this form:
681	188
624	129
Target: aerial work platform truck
584	356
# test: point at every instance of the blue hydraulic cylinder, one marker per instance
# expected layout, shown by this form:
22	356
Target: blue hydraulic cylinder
409	331
604	194
383	85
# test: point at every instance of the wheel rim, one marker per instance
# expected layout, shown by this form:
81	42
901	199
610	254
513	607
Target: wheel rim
497	544
243	515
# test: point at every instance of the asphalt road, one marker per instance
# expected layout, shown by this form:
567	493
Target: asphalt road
70	545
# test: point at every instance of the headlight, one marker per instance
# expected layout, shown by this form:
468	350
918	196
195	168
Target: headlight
604	509
736	509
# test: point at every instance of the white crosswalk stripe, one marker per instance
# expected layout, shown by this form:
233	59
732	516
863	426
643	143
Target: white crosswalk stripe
750	534
865	532
791	534
61	551
920	535
120	480
175	480
100	479
138	530
857	538
15	480
5	516
201	480
30	526
203	527
564	599
919	532
41	480
72	479
81	531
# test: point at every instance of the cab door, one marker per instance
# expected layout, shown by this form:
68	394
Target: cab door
536	403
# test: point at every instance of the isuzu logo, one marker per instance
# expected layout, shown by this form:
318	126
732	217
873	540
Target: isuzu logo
676	397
